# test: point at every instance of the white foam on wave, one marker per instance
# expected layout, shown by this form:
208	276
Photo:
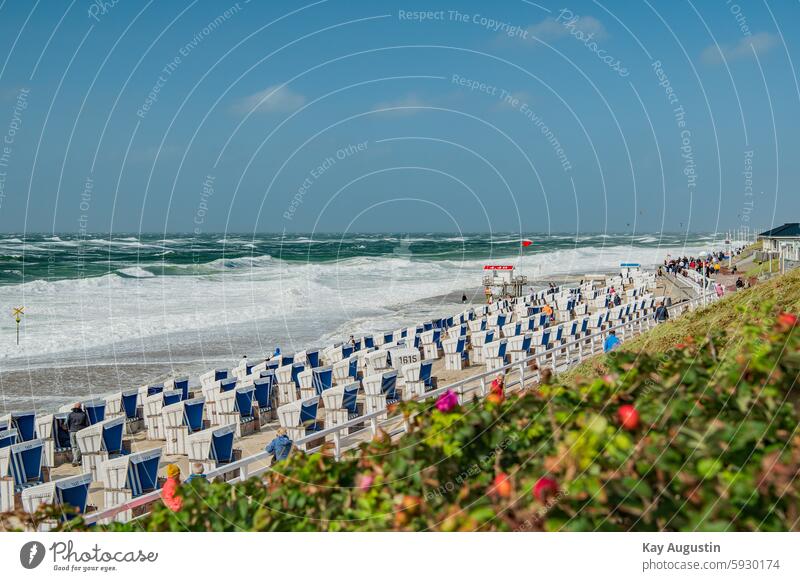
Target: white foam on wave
136	272
94	312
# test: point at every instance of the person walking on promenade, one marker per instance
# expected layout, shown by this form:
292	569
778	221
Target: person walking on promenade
498	386
169	491
76	421
611	341
280	446
661	314
198	472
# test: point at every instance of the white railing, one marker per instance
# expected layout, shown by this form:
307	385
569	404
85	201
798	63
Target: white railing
581	349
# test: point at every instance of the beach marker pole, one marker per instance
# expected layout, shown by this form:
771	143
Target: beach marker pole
17	314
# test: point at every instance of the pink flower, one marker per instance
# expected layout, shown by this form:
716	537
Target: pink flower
365	481
447	401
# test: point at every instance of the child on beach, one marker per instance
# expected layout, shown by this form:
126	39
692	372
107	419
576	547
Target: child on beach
169	490
498	385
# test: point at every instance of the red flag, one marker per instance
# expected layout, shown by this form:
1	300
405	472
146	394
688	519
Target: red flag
526	243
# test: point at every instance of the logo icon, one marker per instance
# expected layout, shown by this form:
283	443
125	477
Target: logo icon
31	554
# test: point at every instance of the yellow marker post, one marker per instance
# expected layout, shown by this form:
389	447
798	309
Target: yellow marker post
17	314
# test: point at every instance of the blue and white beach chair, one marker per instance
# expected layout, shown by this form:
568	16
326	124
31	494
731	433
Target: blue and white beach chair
455	353
100	442
340	403
494	354
21	466
213	447
23	422
322	379
70	495
418	378
300	418
8	437
129	476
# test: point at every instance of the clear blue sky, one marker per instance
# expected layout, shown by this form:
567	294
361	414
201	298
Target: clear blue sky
213	116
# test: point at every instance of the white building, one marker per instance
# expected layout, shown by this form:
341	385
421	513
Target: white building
783	240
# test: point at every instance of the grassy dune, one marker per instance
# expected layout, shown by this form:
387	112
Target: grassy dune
731	313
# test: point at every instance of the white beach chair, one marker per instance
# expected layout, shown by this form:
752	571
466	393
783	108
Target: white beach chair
127	477
340	404
494	354
100	442
478	340
418	378
431	340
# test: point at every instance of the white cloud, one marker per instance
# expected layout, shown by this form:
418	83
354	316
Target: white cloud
274	99
760	43
552	29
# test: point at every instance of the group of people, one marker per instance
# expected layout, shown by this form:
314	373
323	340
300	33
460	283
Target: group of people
706	266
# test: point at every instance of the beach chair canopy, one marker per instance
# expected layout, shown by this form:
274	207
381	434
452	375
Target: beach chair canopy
96	410
350	398
263	392
322	378
227	385
182	384
154	389
193	413
172	396
143	471
313	357
8	437
113	431
72	495
389	386
222	444
25	462
130	404
25	423
245	396
308	414
297	369
220	374
425	369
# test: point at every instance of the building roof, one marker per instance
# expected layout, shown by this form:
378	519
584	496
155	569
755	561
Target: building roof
788	230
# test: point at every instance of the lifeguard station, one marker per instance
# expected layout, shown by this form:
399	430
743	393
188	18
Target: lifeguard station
500	280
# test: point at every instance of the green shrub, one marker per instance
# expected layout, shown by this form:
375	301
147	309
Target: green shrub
716	448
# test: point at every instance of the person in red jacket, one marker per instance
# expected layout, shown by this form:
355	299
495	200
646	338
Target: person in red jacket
498	385
168	491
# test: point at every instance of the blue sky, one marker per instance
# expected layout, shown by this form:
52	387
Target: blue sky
202	117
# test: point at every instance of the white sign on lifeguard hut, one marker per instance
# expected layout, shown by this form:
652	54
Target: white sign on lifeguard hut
499	273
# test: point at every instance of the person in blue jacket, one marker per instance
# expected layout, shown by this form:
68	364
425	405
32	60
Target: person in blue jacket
611	341
280	446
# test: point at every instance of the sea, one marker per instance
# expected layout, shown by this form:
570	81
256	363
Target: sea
108	312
